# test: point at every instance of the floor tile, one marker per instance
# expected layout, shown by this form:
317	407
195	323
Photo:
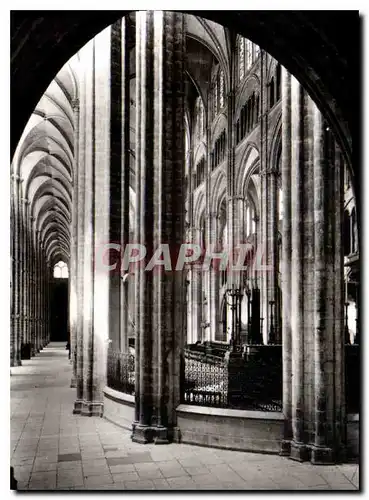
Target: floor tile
69	457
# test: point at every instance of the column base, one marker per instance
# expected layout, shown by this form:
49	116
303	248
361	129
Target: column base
321	455
299	452
77	407
15	362
141	433
285	448
88	409
154	434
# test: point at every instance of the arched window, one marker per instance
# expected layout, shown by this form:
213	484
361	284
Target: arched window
201	118
280	208
241	58
61	270
216	96
221	88
249	54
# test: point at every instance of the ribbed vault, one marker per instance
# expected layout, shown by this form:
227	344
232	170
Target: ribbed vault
44	161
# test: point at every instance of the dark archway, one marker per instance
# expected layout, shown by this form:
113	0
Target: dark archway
310	44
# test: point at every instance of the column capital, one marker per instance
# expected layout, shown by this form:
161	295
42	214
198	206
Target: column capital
236	197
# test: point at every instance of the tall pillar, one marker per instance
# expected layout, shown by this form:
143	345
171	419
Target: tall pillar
286	259
73	261
32	288
298	400
160	52
26	272
329	401
37	291
117	119
269	221
127	39
96	223
80	192
15	334
21	271
313	375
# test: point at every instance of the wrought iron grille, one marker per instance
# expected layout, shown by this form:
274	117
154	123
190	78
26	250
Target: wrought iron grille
121	371
255	384
205	381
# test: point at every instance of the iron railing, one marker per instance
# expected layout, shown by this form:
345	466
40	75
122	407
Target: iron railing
205	380
121	371
256	383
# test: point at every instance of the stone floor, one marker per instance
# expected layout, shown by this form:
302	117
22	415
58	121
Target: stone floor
53	449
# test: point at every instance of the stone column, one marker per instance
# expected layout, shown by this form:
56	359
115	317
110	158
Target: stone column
73	267
127	40
21	271
29	266
205	311
214	278
32	288
42	276
328	339
117	117
286	259
96	223
263	240
298	400
232	197
269	221
314	401
160	52
194	306
37	291
26	272
15	334
80	192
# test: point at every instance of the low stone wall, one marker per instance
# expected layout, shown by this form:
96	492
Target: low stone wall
353	440
119	408
233	429
256	431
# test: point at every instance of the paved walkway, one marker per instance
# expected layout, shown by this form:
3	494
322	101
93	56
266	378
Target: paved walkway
54	449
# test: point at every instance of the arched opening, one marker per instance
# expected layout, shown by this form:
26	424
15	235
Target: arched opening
230	192
59	303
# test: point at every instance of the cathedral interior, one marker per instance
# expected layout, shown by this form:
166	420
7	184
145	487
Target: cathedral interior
166	130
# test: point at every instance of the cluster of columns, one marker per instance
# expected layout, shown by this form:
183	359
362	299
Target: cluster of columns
30	280
312	282
99	315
